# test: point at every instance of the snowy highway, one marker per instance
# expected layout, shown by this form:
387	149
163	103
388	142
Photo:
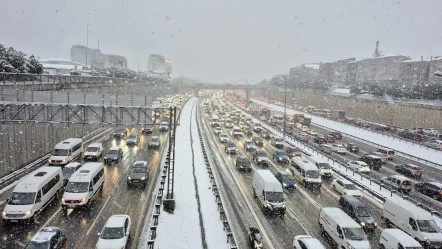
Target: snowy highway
196	221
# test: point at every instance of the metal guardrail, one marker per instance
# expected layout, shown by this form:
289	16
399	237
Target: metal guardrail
51	79
8	179
371	180
230	237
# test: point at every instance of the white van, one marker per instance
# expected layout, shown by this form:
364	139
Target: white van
269	191
93	152
413	220
306	171
66	151
83	185
32	194
399	182
342	229
393	238
325	170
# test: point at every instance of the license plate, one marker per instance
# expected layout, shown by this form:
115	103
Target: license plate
72	205
13	220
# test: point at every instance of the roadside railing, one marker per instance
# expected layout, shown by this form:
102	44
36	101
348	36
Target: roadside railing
354	176
14	176
47	79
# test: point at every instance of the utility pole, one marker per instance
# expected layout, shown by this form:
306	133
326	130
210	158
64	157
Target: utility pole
87	40
285	110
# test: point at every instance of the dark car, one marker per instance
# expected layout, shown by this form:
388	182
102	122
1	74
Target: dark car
431	189
410	170
351	147
374	162
48	237
120	132
286	180
280	157
266	135
148	129
113	155
258	141
69	170
411	135
138	174
330	139
230	148
293	151
288	131
359	211
260	157
336	134
320	140
243	163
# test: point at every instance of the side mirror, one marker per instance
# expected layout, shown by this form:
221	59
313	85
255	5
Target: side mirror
91	188
7	200
341	236
37	200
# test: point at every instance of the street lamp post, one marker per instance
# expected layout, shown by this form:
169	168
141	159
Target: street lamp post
285	110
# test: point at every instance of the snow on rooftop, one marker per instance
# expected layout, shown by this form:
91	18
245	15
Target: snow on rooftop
182	228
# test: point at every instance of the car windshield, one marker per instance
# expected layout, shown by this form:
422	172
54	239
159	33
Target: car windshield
154	139
312	174
363	212
22	198
60	152
285	177
427	226
354	233
112	152
77	187
275	196
138	169
38	245
119	130
67	172
350	186
280	153
132	136
278	139
324	165
92	149
112	233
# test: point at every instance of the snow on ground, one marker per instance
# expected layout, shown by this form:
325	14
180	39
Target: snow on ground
396	144
182	229
354	176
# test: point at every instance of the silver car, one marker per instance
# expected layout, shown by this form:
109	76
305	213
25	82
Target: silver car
154	142
133	139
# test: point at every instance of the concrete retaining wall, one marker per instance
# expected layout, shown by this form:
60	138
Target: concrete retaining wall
23	143
405	116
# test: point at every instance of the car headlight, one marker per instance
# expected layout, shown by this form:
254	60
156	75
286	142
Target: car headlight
83	200
349	246
128	178
425	238
283	206
269	205
63	200
105	158
143	178
284	184
375	224
28	213
363	224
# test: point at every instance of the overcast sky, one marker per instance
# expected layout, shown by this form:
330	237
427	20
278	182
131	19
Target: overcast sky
225	40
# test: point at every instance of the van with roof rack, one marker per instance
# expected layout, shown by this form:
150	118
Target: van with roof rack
33	194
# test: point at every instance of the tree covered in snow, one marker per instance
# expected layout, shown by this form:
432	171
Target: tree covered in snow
14	61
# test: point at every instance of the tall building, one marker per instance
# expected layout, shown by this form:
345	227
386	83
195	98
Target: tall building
93	57
156	64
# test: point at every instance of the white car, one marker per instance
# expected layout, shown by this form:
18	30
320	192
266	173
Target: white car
133	139
338	148
359	166
115	233
344	187
223	137
312	132
304	128
217	130
435	144
307	242
164	126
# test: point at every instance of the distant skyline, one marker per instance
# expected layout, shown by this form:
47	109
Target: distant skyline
225	40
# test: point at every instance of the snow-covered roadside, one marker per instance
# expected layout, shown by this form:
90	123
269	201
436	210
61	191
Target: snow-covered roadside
182	228
387	141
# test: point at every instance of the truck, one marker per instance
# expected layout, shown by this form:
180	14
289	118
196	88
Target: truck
300	118
268	190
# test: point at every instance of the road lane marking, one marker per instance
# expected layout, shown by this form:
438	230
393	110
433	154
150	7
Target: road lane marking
98	215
